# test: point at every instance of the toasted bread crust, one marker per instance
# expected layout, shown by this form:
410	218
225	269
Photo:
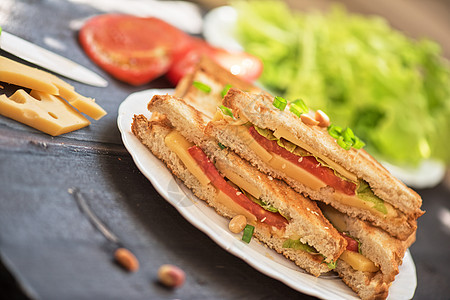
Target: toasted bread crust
217	78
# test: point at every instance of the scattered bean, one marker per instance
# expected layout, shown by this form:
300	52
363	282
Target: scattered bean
126	259
322	118
237	224
171	276
308	120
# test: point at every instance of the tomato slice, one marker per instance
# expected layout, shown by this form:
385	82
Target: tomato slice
270	218
352	244
241	64
132	49
309	163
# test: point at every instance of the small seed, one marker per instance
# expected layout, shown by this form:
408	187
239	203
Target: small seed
237	224
308	120
171	276
126	259
322	118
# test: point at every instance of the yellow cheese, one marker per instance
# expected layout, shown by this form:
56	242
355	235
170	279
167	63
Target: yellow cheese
87	106
239	180
44	112
335	217
35	79
246	138
354	201
22	75
295	172
178	144
283	133
235	208
358	261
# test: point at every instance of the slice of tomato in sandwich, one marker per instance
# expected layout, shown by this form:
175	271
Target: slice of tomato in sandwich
270	218
132	49
352	244
241	64
309	163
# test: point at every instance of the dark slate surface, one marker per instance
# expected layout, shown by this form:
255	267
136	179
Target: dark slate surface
49	250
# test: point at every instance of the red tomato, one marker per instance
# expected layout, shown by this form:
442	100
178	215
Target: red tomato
270	218
132	49
309	163
352	244
241	64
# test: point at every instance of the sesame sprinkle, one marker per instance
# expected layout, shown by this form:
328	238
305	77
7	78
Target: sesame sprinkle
326	227
263	219
238	193
300	159
314	213
270	178
283	166
307	209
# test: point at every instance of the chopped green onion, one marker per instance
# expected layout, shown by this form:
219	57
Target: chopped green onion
335	131
221	146
202	87
225	90
279	102
358	144
341	142
331	265
348	135
248	233
298	107
226	111
345	137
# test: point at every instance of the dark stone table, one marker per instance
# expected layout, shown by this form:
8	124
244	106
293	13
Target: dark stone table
48	248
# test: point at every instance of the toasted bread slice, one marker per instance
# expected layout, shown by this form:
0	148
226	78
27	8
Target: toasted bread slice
214	76
258	109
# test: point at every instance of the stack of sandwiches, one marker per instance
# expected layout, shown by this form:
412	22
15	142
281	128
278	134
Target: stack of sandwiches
306	187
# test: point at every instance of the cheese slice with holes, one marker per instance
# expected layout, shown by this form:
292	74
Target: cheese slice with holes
35	79
44	112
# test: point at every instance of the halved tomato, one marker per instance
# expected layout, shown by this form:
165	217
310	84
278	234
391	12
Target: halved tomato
132	49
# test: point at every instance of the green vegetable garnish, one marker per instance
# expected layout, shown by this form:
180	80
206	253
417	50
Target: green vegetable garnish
248	233
393	91
279	102
298	107
226	111
345	137
225	90
331	265
297	245
202	87
221	146
365	193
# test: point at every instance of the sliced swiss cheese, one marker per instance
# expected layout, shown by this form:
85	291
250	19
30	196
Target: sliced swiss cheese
44	112
246	137
239	180
178	144
283	133
295	172
35	79
235	208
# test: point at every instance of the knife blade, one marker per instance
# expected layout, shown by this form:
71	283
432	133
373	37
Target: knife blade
49	60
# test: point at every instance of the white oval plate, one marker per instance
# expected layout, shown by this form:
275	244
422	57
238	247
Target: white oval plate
198	213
